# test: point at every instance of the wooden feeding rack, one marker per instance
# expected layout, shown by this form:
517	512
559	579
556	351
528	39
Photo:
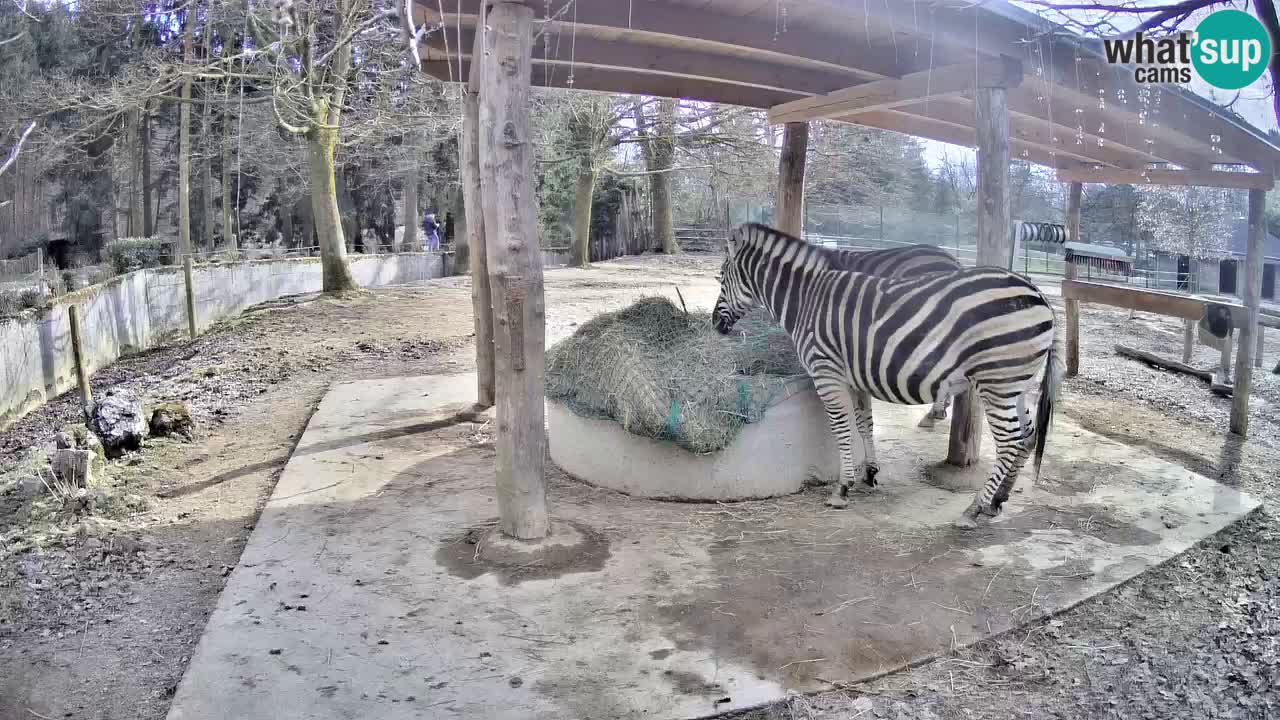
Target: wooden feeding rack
984	75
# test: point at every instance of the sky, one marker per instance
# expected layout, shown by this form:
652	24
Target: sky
1254	104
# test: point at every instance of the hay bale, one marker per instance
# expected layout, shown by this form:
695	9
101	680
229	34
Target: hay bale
666	374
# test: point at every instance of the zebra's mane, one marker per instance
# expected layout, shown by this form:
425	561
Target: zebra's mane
775	244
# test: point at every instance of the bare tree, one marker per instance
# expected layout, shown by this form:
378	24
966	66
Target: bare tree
1192	221
1113	18
16	149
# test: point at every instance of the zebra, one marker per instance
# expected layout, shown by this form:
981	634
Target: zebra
904	341
901	262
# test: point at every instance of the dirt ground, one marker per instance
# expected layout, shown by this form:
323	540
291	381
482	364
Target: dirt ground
98	614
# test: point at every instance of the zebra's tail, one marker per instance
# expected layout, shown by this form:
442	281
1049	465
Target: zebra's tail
1055	368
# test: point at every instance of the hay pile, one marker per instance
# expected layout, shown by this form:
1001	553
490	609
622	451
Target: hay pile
665	374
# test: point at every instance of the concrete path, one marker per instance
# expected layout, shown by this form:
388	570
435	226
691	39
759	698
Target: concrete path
364	593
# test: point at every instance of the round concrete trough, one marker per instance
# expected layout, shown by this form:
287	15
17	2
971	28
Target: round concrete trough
773	457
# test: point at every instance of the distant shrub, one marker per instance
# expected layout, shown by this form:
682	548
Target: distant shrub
13	302
129	254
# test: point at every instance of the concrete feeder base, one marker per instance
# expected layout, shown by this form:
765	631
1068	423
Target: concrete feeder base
773	457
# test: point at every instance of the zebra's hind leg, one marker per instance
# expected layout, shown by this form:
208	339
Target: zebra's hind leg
936	413
1014	439
1029	431
837	398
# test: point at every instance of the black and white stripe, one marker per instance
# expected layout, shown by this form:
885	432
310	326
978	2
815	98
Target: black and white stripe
905	341
901	262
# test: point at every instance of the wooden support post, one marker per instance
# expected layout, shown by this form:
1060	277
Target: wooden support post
473	204
77	354
1188	339
992	109
515	268
191	296
790	204
1224	365
1257	352
1252	297
1073	306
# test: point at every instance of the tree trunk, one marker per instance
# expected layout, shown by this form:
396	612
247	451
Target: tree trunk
322	144
132	132
184	143
285	213
411	217
148	219
229	235
515	271
582	213
207	141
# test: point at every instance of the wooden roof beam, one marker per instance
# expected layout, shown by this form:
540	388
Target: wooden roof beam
694	25
963	135
626	55
1203	178
1033	132
905	90
614	80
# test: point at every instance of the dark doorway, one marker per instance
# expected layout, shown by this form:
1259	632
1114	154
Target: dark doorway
1184	272
1269	281
1227	277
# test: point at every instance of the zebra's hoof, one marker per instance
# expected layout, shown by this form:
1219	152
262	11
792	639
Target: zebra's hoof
839	503
926	422
964	522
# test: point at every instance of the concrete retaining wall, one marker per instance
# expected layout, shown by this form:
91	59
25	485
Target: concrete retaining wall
129	313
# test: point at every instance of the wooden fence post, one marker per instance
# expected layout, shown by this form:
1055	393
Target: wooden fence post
515	269
191	297
473	204
1253	301
1188	340
1257	353
1074	202
77	354
790	202
992	123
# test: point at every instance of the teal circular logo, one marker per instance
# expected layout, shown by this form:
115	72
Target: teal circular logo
1232	49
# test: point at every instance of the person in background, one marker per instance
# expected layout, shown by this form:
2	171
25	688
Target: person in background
432	231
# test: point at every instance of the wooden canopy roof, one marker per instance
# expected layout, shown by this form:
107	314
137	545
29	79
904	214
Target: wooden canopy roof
905	65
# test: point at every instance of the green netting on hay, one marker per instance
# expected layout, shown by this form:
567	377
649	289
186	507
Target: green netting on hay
665	374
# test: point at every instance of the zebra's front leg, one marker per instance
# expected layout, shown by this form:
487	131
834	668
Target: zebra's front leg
837	398
1014	439
865	424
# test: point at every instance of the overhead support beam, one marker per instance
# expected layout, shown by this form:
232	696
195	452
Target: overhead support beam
1203	178
1025	131
554	62
947	132
790	203
695	26
909	89
635	83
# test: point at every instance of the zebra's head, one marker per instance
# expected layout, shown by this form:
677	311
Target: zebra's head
736	297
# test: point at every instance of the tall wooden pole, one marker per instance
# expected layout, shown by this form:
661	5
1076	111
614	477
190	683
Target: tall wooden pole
515	268
1074	202
472	199
992	108
77	354
1252	301
790	209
